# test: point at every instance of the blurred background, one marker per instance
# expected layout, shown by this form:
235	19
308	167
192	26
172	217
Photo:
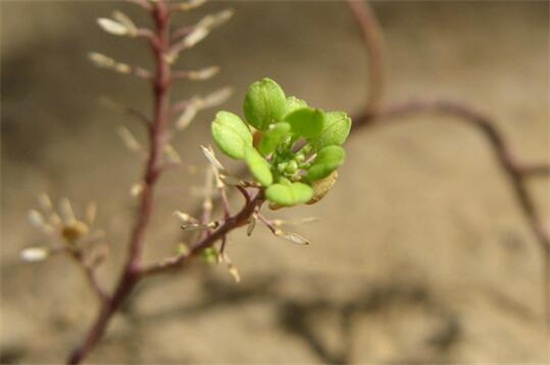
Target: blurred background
421	254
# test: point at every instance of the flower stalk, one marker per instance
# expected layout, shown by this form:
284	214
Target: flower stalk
157	137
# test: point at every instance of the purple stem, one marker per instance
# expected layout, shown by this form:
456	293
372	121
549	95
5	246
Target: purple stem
132	271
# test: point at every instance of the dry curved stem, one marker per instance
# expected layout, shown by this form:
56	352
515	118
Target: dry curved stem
517	173
373	36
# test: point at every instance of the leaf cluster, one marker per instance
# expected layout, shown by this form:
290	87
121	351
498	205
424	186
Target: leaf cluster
291	149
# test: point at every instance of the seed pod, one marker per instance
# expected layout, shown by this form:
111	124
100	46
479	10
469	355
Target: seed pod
264	104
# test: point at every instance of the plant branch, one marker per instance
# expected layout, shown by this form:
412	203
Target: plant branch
131	271
372	35
229	224
517	173
90	274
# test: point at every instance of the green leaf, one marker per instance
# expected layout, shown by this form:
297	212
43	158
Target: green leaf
258	166
306	122
231	134
328	159
335	130
264	104
288	194
273	137
293	103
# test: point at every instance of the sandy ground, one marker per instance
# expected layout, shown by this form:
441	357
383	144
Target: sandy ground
421	254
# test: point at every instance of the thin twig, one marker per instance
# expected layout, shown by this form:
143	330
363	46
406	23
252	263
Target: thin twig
148	35
139	116
372	35
269	224
516	172
207	204
235	221
90	274
223	194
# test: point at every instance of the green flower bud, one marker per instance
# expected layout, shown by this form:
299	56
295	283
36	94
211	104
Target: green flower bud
231	134
291	168
293	103
273	137
259	167
264	104
335	130
328	159
306	122
288	194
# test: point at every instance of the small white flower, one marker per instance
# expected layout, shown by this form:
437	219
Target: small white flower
100	60
197	35
217	97
125	21
188	114
211	157
112	27
129	139
183	217
215	20
34	254
204	73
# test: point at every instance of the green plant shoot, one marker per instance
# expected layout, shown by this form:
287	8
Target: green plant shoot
288	146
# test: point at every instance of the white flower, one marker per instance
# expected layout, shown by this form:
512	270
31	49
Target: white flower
34	254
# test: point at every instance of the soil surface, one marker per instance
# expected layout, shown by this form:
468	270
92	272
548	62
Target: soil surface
421	254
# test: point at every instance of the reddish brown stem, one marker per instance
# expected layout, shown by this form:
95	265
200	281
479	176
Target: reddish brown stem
131	271
229	224
372	34
516	172
90	276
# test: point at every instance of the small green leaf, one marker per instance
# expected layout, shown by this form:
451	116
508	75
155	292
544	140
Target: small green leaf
328	159
273	137
306	122
293	103
335	130
265	103
288	194
258	166
231	135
